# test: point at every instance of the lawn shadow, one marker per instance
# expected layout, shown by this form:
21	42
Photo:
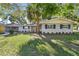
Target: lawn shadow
45	47
66	41
31	48
40	47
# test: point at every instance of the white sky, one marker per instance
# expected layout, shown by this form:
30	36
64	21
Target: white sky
39	1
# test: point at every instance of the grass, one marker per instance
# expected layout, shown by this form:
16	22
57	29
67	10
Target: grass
10	45
40	45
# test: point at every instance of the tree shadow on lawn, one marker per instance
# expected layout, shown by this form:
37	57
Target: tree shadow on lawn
31	48
65	39
63	49
74	49
41	47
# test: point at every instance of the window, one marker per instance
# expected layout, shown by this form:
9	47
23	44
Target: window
26	27
50	26
65	26
69	26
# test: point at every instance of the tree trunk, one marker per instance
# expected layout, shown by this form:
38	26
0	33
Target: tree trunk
37	26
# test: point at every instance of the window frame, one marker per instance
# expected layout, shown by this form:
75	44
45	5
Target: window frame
50	26
66	26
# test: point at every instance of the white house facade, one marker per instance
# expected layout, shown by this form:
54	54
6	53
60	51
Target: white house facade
27	28
23	29
57	29
56	26
20	28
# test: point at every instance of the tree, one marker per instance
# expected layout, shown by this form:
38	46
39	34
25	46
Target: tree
14	11
69	11
37	12
33	13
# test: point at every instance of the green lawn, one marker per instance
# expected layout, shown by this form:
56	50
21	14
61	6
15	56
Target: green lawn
39	45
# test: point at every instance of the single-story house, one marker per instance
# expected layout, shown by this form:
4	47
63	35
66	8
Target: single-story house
21	28
57	25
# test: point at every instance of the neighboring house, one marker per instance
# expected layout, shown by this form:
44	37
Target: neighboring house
11	27
27	28
2	28
20	28
57	25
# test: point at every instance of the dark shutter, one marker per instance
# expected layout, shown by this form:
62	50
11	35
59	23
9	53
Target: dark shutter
23	27
45	26
69	26
28	27
61	26
54	26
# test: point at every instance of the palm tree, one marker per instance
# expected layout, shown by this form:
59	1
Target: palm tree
37	12
33	13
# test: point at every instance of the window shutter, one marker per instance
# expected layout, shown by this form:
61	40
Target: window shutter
61	26
28	27
45	26
69	26
54	26
23	27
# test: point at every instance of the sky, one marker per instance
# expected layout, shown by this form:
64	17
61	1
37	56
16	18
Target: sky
23	5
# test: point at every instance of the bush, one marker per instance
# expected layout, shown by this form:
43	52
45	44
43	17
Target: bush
11	31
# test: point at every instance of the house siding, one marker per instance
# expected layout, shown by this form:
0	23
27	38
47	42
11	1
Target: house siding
21	29
57	29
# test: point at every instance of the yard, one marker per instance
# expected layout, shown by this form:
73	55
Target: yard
39	45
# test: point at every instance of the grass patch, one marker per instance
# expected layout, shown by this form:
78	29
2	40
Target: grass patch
37	47
10	45
28	45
